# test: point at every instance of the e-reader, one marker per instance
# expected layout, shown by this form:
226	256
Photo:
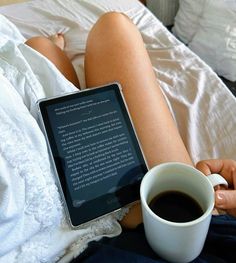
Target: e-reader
95	151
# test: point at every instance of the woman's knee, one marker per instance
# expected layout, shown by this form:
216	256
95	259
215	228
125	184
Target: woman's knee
113	23
114	18
38	41
111	27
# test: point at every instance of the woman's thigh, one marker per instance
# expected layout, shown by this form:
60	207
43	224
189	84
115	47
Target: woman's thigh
116	52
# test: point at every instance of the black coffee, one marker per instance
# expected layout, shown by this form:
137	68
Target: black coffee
175	206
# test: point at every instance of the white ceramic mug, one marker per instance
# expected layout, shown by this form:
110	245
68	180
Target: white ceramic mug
178	242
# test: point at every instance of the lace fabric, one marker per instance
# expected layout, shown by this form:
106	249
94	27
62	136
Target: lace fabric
33	225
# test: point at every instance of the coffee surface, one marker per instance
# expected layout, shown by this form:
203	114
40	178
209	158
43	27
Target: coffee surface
175	206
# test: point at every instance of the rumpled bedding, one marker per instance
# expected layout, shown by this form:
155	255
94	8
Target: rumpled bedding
32	220
203	107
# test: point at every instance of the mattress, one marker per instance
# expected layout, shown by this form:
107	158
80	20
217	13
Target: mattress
202	107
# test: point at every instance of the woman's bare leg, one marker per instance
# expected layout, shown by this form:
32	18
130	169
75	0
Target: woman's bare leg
115	52
52	48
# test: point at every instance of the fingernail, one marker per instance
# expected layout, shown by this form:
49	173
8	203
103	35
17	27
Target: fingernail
220	199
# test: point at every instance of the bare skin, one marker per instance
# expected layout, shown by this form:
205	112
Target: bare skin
58	40
52	48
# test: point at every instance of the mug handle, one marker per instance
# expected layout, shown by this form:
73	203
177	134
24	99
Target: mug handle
217	179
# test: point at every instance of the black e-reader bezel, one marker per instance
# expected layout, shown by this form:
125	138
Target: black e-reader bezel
108	202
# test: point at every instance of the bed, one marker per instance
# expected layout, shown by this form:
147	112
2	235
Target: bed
32	220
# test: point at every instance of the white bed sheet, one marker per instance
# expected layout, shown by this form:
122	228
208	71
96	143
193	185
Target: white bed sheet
203	107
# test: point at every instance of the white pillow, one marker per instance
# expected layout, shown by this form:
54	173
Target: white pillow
215	39
187	19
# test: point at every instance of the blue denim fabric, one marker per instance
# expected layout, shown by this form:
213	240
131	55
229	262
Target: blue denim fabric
131	246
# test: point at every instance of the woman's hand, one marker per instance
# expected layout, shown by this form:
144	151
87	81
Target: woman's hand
225	199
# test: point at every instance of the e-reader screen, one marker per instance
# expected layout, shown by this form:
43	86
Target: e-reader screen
95	151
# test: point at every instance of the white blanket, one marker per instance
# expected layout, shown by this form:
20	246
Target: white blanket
204	110
32	220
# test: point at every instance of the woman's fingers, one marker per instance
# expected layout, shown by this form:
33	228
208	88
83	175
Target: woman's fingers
210	166
226	200
226	168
